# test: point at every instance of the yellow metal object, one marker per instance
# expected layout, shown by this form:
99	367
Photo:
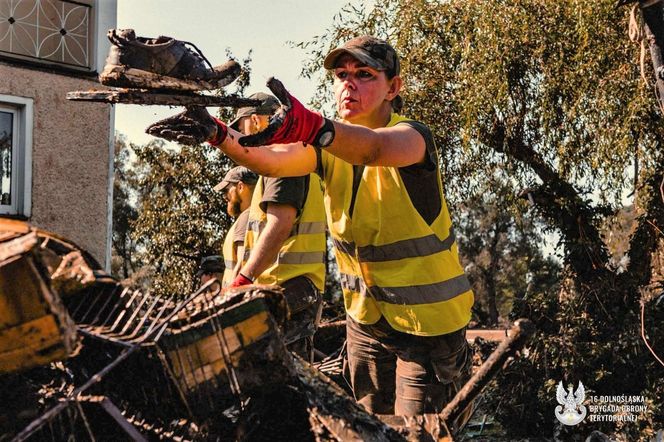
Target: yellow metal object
35	328
205	358
230	348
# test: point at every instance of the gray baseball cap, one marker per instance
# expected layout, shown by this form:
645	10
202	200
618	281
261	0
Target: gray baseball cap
269	104
372	51
235	175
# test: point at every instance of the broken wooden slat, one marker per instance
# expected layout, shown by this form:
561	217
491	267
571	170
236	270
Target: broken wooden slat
494	335
163	98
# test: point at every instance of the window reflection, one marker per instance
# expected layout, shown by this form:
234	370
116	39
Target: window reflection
6	124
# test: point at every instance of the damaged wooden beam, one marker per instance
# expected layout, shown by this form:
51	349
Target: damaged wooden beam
519	334
35	327
161	98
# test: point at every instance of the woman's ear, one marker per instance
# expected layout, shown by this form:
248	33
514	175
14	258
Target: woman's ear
395	87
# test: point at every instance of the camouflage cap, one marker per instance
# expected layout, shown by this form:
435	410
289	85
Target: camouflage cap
373	52
269	104
235	175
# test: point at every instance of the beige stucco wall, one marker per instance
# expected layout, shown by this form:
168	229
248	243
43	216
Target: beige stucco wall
70	156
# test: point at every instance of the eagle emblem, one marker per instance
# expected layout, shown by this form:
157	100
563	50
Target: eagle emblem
571	410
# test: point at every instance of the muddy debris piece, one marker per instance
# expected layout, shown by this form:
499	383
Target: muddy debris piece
162	63
161	71
159	98
35	327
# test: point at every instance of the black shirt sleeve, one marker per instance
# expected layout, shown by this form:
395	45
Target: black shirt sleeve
431	160
292	191
421	180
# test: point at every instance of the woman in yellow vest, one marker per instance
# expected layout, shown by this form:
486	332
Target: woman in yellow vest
406	295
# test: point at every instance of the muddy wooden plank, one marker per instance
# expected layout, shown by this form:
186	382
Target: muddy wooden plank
35	328
162	98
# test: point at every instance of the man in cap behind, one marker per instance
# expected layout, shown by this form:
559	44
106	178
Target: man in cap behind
237	188
210	267
285	239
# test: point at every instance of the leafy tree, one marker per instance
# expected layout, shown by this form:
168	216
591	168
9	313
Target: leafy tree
501	251
180	218
124	258
549	92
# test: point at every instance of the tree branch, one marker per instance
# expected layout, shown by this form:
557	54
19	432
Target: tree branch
558	201
647	235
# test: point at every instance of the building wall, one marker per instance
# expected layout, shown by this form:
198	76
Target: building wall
70	156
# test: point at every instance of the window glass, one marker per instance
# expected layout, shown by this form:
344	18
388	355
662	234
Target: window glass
6	137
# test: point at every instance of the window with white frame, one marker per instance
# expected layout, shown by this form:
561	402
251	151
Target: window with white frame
15	155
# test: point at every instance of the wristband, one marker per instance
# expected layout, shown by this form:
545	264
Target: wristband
222	131
325	135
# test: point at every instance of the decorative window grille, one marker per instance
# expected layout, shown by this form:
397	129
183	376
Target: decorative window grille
48	31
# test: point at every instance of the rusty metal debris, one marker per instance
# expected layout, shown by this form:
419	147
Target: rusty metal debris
195	367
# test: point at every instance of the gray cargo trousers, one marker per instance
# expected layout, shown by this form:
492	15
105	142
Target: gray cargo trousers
392	372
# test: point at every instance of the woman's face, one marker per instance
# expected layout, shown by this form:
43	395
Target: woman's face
360	91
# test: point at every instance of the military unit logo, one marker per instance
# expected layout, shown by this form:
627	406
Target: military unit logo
571	410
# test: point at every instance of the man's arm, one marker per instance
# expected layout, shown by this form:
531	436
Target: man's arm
279	223
239	253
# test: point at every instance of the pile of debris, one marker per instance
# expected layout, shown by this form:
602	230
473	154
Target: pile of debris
85	358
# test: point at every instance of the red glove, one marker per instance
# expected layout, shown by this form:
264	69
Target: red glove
239	281
222	131
291	123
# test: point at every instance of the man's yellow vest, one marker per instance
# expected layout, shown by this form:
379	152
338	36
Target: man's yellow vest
230	258
303	253
392	263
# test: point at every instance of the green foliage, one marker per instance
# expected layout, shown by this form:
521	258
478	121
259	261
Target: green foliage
501	251
181	218
123	261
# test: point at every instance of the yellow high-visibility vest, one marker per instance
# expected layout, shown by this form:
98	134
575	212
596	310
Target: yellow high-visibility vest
229	253
303	253
392	263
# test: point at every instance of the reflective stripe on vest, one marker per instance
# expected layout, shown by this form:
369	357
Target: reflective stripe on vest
408	248
294	257
392	262
421	294
303	228
303	253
